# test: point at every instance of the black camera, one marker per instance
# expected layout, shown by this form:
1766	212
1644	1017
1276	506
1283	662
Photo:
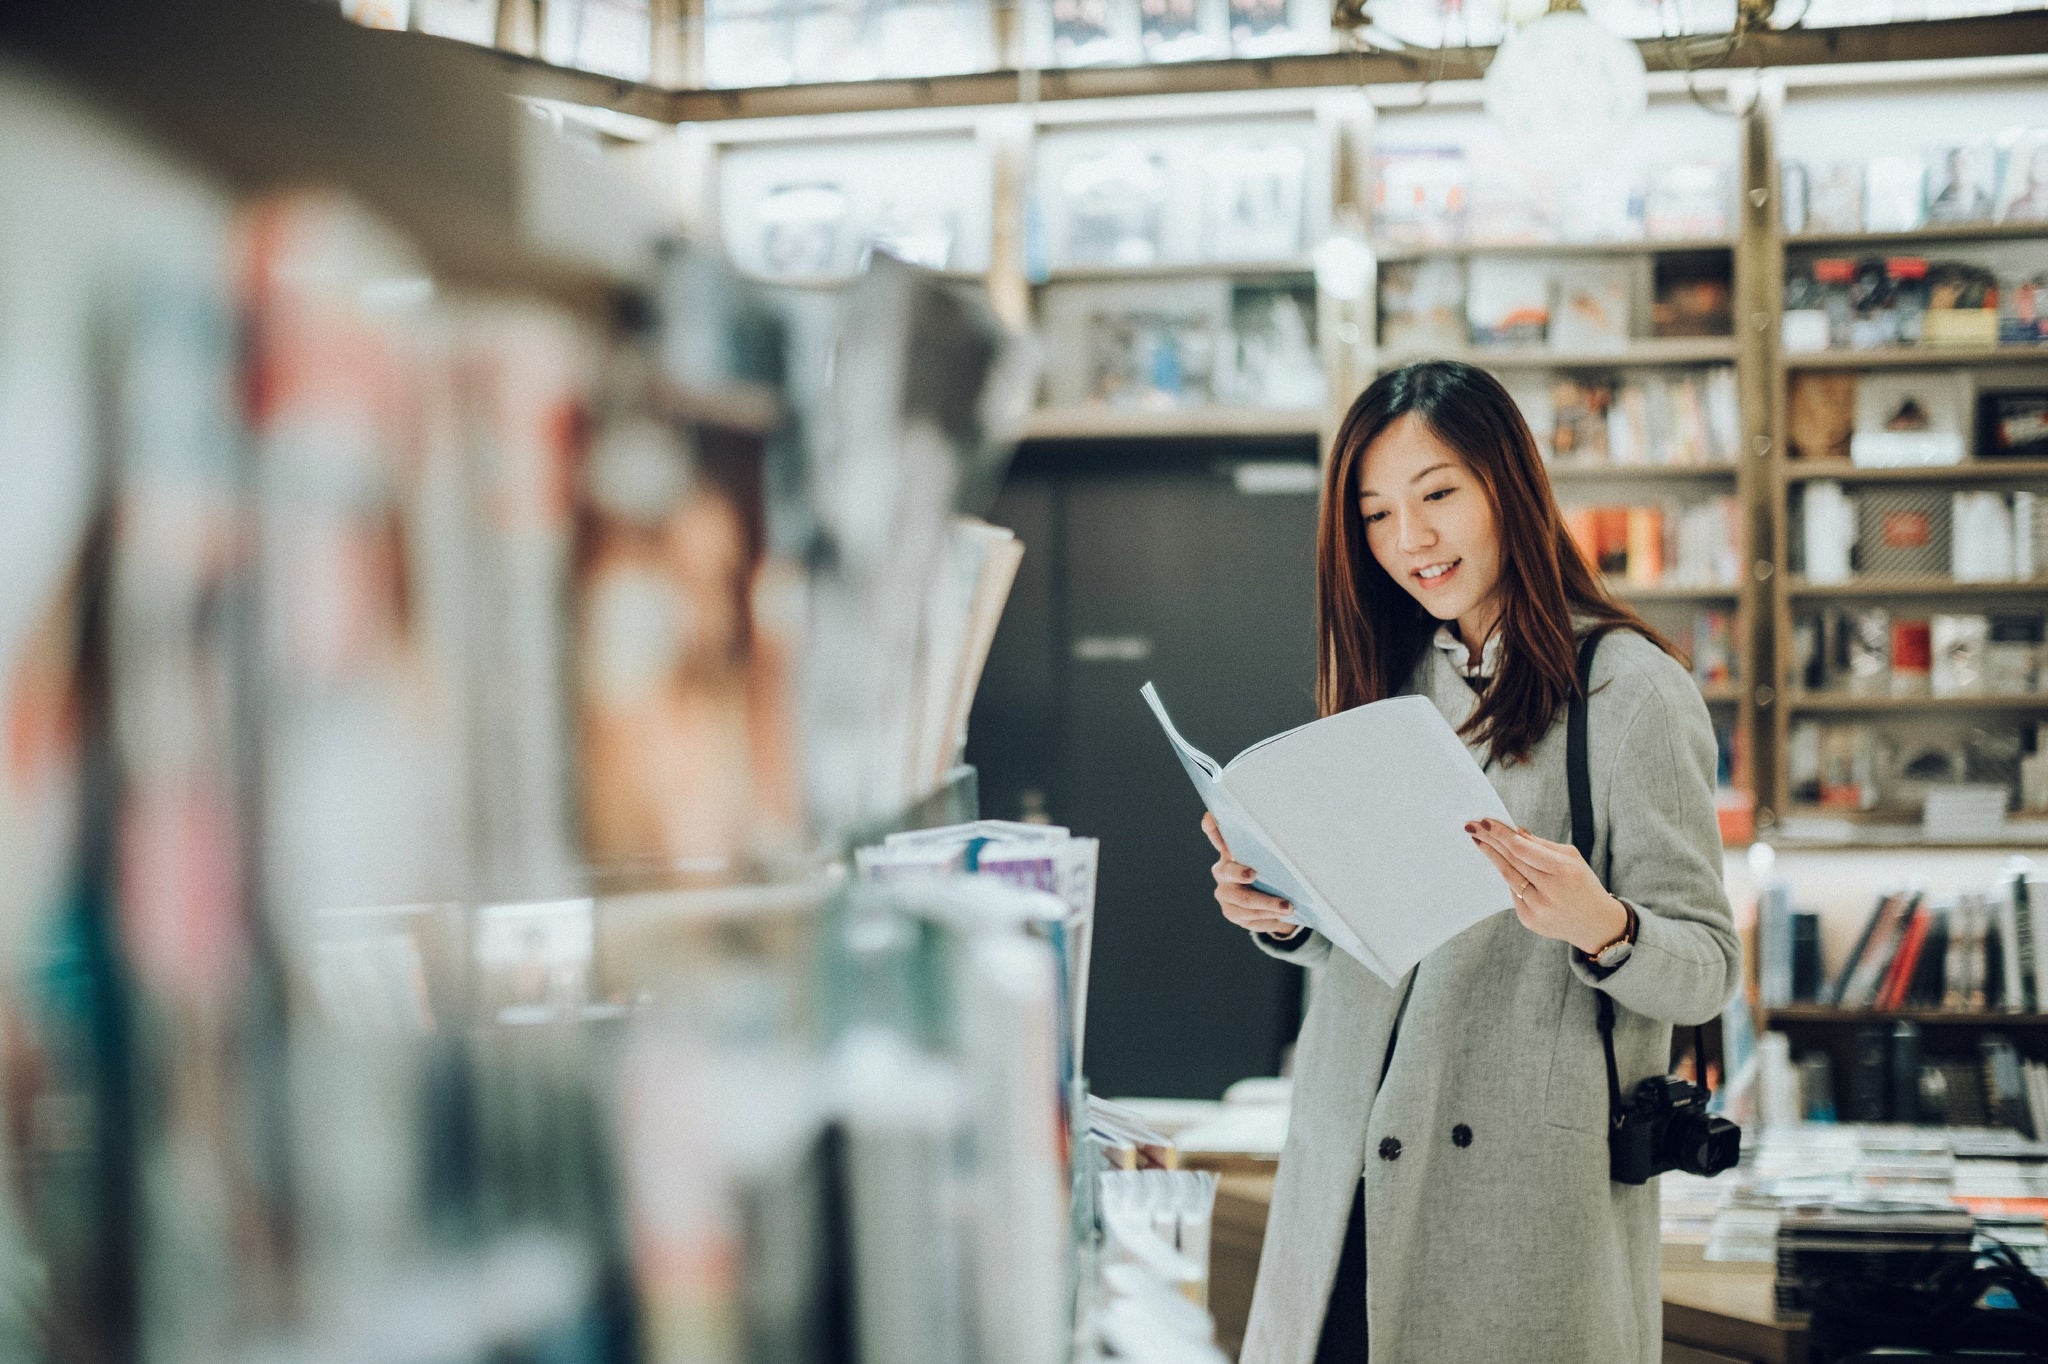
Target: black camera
1667	1127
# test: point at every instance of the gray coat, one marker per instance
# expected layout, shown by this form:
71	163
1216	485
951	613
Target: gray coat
1510	1242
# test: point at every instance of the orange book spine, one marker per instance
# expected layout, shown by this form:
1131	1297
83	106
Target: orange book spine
1645	546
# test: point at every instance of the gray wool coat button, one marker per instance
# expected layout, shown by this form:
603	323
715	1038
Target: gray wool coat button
1461	1135
1390	1149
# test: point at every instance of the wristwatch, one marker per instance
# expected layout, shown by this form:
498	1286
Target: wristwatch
1617	952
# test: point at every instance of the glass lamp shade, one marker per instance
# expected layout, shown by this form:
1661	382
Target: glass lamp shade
1563	88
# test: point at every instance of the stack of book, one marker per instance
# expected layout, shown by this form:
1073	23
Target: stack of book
1660	420
1672	544
1822	1246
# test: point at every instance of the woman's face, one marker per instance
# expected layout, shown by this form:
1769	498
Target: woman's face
1430	526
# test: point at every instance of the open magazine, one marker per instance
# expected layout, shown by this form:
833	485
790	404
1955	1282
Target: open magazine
1358	819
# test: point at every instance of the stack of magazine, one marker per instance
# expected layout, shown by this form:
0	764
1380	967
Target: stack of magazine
1039	857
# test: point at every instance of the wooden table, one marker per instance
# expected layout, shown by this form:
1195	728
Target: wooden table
1711	1316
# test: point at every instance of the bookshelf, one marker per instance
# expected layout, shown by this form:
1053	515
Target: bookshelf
1917	357
1646	473
1825	704
1831	1015
1687	350
1947	235
1916	589
680	101
1975	471
1817	126
1762	703
1629	246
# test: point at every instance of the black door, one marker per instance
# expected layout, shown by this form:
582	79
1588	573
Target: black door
1192	567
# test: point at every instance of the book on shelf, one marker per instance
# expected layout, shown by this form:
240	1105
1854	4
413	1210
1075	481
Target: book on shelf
1820	413
1593	306
1691	297
1422	305
1668	544
1899	974
1902	1086
1856	984
1507	301
2023	187
1892	199
2012	424
1963	986
1419	195
1924	990
1962	182
1774	918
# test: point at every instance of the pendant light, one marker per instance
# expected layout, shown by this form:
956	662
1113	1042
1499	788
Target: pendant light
1565	89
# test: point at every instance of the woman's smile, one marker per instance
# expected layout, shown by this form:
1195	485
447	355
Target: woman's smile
1436	575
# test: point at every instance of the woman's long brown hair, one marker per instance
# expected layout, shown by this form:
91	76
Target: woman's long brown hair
1371	632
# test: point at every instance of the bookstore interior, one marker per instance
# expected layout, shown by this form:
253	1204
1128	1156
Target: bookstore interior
576	785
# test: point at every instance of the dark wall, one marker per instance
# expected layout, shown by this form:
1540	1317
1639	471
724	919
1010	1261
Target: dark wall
1153	563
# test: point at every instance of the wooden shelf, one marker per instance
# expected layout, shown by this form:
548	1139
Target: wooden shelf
1670	592
1833	1014
1980	36
831	282
1107	423
1925	236
1823	703
1969	471
1606	473
1866	831
1676	350
1637	247
1090	274
1915	587
1918	357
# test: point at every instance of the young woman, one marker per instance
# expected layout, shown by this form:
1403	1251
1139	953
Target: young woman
1444	1195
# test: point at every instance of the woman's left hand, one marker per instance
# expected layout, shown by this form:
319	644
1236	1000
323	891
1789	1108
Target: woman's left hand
1556	893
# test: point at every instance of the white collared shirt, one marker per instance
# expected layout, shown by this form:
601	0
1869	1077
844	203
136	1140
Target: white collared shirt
1489	655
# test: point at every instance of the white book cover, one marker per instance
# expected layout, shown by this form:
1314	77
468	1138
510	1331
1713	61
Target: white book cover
2005	906
2037	910
1358	819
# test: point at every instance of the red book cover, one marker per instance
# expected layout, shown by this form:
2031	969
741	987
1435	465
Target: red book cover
1903	961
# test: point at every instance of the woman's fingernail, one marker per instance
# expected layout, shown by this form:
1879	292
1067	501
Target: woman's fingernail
1471	828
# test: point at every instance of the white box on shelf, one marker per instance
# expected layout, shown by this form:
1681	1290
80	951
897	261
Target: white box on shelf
1828	520
1981	539
1909	418
1804	331
1964	811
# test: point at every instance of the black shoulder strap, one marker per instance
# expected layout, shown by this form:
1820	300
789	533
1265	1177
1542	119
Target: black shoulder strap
1579	780
1576	775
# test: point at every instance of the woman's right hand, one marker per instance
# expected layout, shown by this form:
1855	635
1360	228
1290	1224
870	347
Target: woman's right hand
1243	906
